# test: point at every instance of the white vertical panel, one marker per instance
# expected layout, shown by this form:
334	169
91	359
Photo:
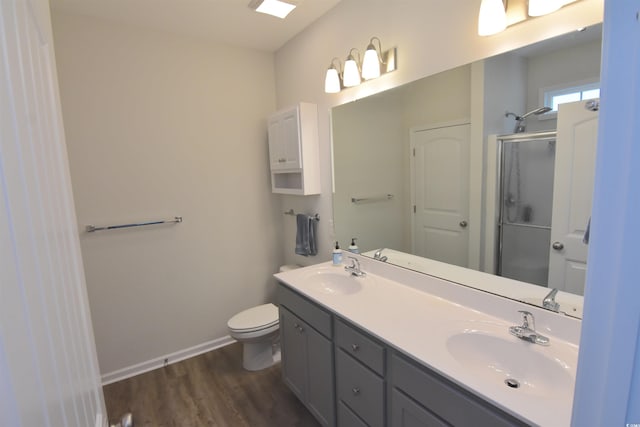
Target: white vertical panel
608	376
47	355
572	194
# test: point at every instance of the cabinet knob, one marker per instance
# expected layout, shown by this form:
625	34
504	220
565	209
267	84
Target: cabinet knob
300	328
558	246
356	391
355	347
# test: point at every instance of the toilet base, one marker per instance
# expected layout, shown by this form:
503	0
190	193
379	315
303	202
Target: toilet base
259	355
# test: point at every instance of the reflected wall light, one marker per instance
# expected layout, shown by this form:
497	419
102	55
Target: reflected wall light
497	15
351	76
543	7
492	18
332	79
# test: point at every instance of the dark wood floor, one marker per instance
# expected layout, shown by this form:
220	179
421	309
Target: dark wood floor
208	390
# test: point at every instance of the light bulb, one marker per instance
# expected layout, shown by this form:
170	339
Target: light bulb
492	18
370	64
543	7
332	81
351	76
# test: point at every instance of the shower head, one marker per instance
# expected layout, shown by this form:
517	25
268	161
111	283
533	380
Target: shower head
537	112
520	126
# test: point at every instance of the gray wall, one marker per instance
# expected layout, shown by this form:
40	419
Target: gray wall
160	125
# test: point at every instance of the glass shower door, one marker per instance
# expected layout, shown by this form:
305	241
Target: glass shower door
526	189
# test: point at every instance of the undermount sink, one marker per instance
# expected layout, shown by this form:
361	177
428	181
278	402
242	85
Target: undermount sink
512	363
333	281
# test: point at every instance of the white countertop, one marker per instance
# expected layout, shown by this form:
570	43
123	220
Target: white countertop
416	314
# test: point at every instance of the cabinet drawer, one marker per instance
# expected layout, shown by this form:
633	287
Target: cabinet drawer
360	389
407	413
360	346
315	316
445	399
346	418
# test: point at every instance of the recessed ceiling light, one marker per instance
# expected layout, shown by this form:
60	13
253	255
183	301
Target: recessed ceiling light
276	8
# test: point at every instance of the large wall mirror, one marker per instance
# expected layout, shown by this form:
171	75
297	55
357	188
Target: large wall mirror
423	182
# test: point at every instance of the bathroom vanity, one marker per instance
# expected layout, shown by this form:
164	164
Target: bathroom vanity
394	348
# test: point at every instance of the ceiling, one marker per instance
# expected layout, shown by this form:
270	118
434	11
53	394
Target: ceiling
227	21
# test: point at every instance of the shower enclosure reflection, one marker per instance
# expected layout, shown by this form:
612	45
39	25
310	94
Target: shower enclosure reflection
526	194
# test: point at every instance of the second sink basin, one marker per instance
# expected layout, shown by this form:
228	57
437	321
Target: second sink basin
508	362
333	281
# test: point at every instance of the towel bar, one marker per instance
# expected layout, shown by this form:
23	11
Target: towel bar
292	213
371	199
92	228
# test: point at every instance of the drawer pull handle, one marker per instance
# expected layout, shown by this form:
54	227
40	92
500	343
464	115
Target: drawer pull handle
356	391
355	347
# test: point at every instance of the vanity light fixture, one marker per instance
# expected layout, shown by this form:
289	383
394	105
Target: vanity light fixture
492	18
375	63
496	15
372	60
351	76
543	7
277	8
332	79
375	59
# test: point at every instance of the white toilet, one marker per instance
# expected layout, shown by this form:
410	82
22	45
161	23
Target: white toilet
258	328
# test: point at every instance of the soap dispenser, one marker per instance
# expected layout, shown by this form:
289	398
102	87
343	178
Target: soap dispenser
337	255
353	247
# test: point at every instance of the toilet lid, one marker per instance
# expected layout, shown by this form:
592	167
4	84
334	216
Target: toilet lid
258	317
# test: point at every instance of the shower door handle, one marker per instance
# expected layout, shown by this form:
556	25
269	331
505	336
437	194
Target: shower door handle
558	246
463	224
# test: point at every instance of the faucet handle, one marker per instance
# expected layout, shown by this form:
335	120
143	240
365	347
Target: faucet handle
549	301
526	315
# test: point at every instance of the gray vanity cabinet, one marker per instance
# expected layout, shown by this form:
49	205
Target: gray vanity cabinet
307	354
360	384
371	384
422	398
405	412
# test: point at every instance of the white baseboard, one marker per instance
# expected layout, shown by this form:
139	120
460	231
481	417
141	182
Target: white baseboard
167	359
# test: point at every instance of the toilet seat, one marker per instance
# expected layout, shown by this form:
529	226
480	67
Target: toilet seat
256	319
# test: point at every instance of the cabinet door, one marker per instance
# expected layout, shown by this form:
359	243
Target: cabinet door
294	352
284	141
406	413
360	389
320	397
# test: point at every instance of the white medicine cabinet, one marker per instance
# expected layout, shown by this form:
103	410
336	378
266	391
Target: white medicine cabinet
293	150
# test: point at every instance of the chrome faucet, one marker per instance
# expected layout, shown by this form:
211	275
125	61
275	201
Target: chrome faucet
378	255
527	331
354	268
549	301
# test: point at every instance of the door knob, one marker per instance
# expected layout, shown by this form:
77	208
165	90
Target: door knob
558	246
463	224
